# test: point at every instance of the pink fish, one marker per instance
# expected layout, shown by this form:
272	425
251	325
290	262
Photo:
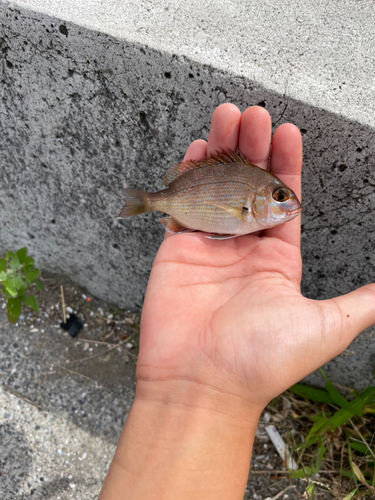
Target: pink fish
223	194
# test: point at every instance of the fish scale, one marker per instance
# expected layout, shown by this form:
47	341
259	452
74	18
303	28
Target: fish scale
225	194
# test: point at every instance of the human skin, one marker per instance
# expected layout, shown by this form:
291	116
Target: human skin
224	330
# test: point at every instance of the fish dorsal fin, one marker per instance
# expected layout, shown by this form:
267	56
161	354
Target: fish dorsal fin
185	166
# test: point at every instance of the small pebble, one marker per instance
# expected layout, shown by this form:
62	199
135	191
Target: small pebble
267	417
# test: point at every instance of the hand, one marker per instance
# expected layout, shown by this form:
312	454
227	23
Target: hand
224	330
229	314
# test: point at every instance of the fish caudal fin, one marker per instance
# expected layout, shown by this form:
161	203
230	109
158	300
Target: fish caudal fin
136	202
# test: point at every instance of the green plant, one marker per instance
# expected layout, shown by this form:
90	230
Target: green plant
18	276
340	442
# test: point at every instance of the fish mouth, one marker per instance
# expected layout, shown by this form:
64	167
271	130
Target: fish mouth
294	212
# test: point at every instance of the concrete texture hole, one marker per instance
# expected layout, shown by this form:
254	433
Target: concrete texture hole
262	103
342	167
303	131
53	221
191	75
116	246
359	150
365	181
333	231
9	64
63	30
142	116
167	74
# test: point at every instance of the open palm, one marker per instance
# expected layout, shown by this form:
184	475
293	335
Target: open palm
229	314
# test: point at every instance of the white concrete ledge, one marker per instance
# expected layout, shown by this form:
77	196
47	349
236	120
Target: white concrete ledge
321	53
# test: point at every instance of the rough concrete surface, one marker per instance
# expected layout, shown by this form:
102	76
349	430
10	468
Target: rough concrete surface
104	96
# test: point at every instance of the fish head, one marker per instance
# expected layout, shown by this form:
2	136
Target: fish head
274	204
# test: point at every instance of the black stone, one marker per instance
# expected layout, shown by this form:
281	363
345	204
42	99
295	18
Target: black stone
73	325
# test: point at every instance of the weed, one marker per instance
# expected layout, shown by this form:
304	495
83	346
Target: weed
337	451
18	276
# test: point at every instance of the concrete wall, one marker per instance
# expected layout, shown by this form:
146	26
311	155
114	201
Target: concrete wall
85	112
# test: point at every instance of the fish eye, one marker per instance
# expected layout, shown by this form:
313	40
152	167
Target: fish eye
281	194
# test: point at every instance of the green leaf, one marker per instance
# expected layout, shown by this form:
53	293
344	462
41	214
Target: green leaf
22	297
31	301
311	393
354	406
5	292
3	276
14	309
351	494
29	263
13	260
321	422
361	447
31	275
14	282
368	395
3	265
10	287
38	284
347	473
21	254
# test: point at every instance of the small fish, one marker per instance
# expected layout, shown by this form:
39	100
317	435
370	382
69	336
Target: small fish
223	194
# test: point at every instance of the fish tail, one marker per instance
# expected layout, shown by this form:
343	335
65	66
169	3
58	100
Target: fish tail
136	202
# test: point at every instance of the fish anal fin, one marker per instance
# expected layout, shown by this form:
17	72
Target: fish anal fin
172	226
185	166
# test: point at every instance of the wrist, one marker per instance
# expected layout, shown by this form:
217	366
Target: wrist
183	440
195	397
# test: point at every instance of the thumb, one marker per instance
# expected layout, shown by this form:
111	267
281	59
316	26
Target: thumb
346	316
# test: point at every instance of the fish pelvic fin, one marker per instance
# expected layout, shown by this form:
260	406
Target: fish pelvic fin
222	236
136	202
174	227
185	166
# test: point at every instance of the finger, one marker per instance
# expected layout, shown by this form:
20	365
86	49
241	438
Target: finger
225	126
255	135
196	151
286	164
346	317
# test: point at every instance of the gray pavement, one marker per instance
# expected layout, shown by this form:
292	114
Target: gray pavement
58	426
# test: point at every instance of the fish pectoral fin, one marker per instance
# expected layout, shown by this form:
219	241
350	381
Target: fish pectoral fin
172	226
222	236
236	212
